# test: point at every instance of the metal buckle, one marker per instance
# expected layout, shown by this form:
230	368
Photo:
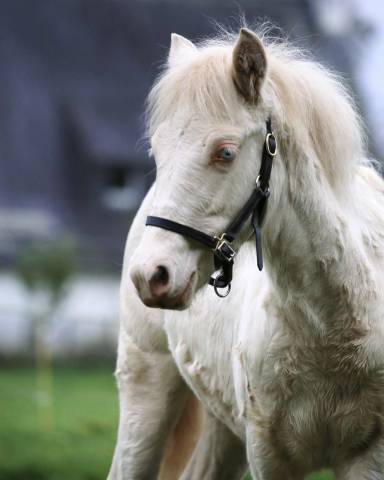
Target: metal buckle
267	145
223	249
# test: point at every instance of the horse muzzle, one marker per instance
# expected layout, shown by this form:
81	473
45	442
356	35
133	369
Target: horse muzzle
157	288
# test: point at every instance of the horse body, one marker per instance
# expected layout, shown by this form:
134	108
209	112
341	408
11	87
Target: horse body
311	393
291	363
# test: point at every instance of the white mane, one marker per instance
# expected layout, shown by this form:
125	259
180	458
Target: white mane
312	107
307	96
201	80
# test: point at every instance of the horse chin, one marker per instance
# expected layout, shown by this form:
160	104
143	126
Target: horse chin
179	301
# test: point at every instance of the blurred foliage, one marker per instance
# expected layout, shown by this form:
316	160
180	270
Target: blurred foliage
80	447
325	475
47	266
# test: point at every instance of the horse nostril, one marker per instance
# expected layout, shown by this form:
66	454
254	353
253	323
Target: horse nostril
161	275
159	280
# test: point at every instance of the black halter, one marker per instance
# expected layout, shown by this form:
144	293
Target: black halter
223	252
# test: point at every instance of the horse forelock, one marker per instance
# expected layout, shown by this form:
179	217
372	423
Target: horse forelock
200	83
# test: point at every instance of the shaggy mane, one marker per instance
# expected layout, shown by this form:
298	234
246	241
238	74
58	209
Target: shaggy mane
308	102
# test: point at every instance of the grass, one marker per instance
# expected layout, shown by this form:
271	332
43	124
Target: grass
78	445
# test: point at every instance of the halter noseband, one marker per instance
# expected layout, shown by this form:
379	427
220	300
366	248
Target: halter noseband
223	252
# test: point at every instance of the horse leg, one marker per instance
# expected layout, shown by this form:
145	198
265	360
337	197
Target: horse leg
152	400
182	440
369	466
262	469
219	454
264	461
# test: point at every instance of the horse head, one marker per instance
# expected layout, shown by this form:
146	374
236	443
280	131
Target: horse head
207	117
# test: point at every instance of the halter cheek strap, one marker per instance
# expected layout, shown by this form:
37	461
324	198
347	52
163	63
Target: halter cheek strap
255	207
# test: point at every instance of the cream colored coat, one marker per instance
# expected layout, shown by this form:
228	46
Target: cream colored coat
290	366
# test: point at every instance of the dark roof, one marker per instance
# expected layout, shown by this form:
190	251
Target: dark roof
73	83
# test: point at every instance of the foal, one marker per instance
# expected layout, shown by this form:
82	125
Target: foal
289	367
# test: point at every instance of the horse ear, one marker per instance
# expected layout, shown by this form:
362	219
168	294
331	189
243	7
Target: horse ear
249	65
179	47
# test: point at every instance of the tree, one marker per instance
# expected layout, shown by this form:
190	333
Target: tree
46	269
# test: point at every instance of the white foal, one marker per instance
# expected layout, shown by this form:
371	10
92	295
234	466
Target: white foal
290	366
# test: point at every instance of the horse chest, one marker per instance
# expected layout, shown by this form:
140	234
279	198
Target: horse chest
317	410
320	432
204	358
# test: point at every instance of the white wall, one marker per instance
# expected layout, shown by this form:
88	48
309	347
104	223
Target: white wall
87	315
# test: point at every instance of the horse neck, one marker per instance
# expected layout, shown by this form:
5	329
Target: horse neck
315	252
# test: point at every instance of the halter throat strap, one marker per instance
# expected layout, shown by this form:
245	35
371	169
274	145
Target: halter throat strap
255	207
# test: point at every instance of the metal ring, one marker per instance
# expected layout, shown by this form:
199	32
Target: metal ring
265	192
216	288
269	135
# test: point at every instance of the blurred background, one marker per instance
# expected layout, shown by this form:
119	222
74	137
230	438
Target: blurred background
74	75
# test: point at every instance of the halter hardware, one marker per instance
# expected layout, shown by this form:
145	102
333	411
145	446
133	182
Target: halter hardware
221	245
217	288
223	249
271	144
265	192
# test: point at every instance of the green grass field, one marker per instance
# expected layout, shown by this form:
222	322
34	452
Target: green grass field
78	445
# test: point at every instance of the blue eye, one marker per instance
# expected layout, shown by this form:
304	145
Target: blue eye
226	153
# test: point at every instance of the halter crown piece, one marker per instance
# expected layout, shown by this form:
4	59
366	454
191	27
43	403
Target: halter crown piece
221	245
